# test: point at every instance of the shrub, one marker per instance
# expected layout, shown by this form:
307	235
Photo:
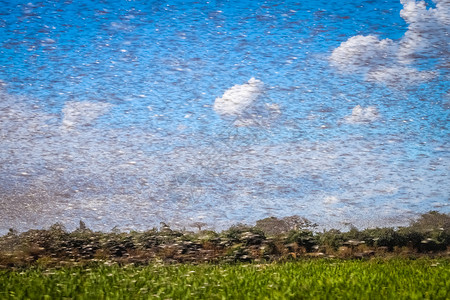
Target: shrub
332	238
411	237
273	226
385	237
303	238
235	232
431	221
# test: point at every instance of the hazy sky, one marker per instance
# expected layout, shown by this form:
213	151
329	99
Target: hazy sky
129	113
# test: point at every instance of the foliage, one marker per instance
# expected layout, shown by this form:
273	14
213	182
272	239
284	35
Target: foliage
236	231
332	238
273	226
303	238
429	235
432	221
384	237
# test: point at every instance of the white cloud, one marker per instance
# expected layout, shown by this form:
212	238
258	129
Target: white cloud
273	108
392	62
239	97
363	115
83	113
241	101
330	200
399	75
361	53
428	30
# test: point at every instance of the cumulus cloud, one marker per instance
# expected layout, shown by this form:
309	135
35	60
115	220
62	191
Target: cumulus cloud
396	62
363	115
399	75
328	200
362	53
83	113
241	102
428	30
238	98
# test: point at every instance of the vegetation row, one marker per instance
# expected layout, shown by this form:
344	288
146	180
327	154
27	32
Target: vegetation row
271	239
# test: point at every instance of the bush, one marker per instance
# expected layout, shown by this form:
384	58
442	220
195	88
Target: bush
273	226
332	238
235	232
411	237
303	238
385	237
432	221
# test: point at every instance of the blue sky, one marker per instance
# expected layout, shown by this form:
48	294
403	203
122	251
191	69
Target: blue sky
129	113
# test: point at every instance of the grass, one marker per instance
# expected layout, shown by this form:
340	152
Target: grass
303	279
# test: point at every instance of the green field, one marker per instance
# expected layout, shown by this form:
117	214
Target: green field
303	279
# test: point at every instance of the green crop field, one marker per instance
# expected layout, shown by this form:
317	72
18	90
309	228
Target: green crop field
303	279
